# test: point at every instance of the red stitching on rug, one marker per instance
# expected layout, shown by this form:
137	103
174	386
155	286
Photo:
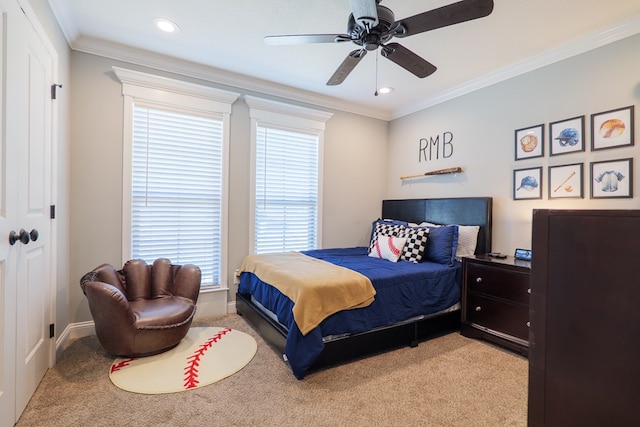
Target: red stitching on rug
193	361
120	365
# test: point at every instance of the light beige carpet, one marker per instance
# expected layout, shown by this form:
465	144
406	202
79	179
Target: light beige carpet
448	381
204	356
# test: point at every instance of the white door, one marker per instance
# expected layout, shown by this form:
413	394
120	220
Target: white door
8	222
25	273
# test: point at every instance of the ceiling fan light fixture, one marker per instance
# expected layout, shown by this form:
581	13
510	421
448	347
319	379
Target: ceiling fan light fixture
166	25
372	26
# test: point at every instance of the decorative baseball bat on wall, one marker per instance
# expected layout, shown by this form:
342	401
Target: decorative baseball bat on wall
435	172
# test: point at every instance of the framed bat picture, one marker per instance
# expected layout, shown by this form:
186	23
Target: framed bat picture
566	181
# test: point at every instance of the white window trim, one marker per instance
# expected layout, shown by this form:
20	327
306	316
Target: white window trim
163	91
295	118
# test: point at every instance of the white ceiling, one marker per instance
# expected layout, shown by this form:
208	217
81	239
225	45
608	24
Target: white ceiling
222	41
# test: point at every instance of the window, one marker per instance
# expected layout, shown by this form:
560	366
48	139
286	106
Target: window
176	189
175	156
286	188
286	166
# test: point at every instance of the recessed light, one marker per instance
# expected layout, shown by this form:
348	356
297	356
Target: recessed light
385	90
166	25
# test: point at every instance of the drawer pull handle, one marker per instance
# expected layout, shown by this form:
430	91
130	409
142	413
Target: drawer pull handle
478	308
529	290
528	324
478	279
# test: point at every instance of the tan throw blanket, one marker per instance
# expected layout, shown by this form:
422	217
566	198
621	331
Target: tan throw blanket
317	288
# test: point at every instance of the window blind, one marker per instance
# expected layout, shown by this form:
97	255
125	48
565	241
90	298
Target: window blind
177	167
286	190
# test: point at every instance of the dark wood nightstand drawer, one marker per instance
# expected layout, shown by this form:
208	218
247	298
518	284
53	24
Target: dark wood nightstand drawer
498	282
498	315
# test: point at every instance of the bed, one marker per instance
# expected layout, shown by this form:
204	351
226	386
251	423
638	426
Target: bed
404	310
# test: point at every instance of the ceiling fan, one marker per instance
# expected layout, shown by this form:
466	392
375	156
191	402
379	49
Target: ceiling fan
372	26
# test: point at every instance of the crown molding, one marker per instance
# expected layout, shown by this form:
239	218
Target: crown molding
622	30
246	83
237	81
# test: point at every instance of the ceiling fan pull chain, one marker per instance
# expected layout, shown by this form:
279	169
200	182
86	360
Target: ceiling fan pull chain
376	92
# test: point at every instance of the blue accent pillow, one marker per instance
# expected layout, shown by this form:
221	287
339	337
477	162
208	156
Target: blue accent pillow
442	244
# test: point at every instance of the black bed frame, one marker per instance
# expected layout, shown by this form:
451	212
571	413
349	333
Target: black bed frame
463	211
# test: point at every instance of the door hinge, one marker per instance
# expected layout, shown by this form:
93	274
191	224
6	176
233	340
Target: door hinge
54	89
52	212
52	330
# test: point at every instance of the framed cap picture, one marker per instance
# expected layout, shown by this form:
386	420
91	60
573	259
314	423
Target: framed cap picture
527	183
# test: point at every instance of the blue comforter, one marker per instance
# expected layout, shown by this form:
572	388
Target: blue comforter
403	290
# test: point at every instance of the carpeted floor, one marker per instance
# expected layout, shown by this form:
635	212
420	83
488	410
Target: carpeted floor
448	381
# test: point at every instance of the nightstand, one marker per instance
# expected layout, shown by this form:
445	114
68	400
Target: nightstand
495	301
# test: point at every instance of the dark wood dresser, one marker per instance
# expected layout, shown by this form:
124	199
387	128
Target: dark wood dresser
584	358
495	301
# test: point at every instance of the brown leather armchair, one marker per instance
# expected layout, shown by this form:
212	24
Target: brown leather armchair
142	309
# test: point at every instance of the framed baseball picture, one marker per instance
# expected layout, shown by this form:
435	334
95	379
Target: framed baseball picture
612	129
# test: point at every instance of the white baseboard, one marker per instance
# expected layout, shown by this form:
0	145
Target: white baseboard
71	333
209	304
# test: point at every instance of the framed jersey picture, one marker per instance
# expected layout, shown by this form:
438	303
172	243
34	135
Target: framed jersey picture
612	179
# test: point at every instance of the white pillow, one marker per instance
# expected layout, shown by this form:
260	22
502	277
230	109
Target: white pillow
467	240
388	247
429	224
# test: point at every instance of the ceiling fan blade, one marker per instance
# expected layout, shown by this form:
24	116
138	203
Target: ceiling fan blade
444	16
365	12
305	38
408	60
346	67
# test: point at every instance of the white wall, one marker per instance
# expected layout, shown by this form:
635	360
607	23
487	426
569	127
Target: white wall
483	125
354	174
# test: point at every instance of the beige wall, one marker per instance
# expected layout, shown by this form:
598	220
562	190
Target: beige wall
354	174
363	157
483	125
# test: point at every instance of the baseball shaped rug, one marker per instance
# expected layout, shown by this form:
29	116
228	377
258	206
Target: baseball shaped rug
204	356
